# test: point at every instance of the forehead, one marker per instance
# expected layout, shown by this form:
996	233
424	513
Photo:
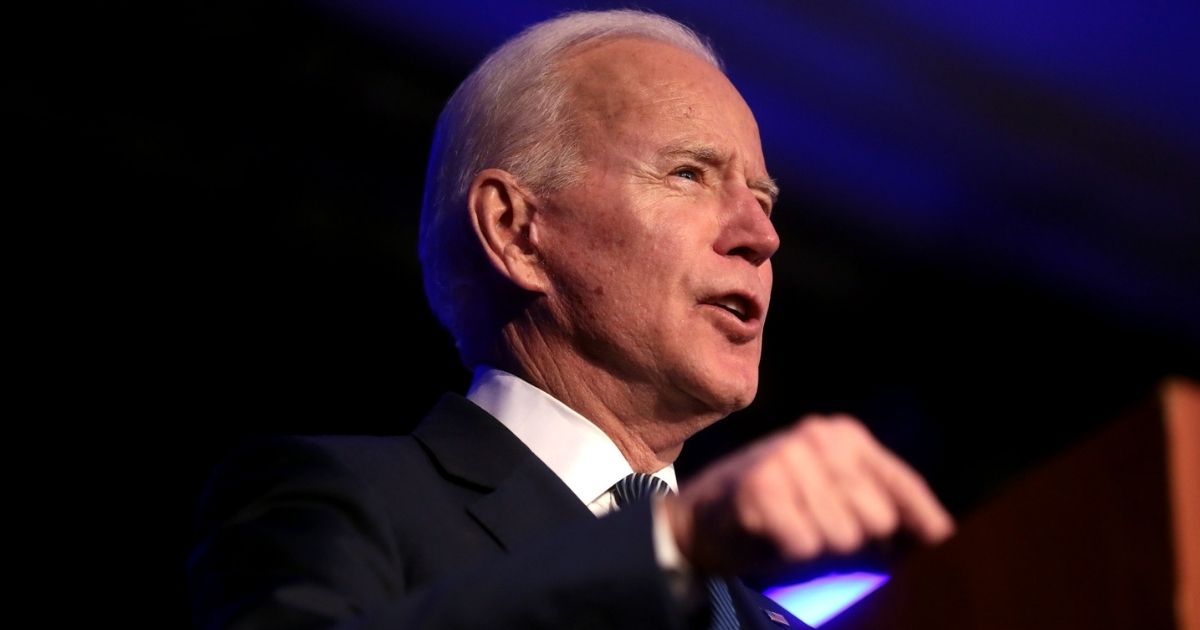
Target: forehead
635	86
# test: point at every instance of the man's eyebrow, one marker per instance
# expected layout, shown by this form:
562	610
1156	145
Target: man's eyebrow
701	153
766	186
705	154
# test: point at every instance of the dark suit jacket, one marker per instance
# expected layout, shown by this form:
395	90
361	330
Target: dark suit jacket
457	526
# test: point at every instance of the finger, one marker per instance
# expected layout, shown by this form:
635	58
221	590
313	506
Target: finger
870	505
782	516
819	495
918	508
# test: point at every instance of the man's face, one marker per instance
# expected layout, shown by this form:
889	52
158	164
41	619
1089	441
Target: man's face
659	255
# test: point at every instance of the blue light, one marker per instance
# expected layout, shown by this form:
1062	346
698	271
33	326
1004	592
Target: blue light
817	601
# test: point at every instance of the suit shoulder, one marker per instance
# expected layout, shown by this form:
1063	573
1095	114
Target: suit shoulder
355	450
275	465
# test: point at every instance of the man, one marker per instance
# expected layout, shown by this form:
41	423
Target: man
597	237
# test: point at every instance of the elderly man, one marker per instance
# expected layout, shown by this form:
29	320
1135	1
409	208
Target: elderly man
597	237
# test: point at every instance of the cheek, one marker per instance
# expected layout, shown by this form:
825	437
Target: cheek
592	284
627	257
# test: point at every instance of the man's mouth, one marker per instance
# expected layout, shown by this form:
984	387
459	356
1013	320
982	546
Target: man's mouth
736	304
743	306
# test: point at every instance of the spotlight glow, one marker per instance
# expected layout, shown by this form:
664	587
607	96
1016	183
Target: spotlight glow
817	601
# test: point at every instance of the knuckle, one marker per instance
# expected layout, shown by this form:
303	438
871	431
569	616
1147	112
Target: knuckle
812	433
751	521
757	480
835	433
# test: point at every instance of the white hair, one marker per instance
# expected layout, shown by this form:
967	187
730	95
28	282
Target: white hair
511	113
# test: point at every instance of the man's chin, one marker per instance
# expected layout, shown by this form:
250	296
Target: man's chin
726	396
741	400
715	385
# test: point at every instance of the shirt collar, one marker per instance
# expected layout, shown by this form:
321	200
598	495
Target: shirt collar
582	455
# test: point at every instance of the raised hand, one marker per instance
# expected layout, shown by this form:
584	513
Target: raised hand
821	486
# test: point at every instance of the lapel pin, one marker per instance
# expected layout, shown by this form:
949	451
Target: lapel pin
776	617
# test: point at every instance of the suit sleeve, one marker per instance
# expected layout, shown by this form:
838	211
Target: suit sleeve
290	538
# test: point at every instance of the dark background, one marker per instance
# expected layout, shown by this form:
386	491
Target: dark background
989	217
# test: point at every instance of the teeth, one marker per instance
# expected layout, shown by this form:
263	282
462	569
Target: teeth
733	305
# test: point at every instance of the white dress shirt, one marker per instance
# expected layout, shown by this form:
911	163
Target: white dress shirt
582	456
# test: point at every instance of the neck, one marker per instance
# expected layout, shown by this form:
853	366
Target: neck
648	429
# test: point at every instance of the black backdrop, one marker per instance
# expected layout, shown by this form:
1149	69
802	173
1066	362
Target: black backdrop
266	162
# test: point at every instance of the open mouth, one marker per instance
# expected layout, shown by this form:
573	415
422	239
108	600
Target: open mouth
739	306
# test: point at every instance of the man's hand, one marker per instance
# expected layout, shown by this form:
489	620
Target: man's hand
822	486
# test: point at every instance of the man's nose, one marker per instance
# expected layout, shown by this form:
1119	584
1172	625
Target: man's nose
746	230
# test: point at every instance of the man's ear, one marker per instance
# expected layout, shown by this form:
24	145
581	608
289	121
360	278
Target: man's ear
502	215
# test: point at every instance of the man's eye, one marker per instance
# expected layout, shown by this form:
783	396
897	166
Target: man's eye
688	173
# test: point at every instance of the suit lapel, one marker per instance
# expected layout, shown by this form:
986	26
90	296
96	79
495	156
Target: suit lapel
522	498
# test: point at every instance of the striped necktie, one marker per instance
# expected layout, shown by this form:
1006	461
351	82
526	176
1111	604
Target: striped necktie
640	486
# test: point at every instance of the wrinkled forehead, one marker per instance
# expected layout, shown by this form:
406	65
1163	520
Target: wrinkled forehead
644	95
615	79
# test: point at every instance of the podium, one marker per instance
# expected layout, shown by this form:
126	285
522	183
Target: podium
1104	535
